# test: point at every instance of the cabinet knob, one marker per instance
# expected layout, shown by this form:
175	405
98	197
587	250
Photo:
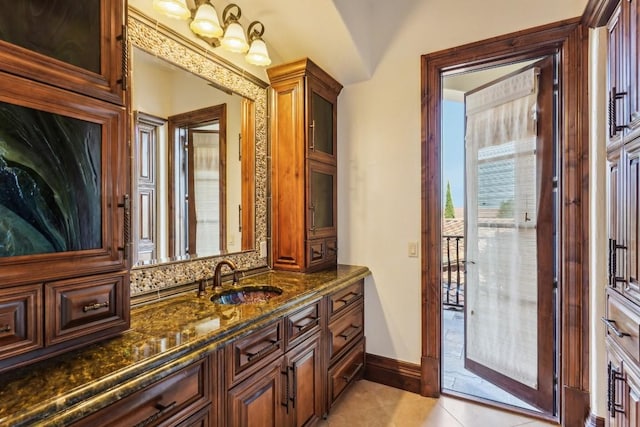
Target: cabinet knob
5	328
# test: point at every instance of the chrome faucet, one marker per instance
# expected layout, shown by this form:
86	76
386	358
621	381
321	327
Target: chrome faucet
217	273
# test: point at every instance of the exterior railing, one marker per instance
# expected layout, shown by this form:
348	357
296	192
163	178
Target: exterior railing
453	271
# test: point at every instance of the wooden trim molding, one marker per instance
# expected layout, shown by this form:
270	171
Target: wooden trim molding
597	12
594	421
569	41
394	373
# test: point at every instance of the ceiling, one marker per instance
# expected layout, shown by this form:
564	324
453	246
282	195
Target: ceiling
348	37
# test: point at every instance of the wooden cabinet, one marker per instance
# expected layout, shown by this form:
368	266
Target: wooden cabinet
258	400
79	46
287	392
183	398
345	343
623	390
304	156
303	388
64	178
623	154
280	389
623	81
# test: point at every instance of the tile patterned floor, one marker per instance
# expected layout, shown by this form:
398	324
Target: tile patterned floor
369	404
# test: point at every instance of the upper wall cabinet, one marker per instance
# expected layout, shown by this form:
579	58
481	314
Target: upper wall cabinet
72	45
304	179
623	73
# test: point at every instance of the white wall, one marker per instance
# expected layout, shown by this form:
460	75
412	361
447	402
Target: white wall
379	158
597	217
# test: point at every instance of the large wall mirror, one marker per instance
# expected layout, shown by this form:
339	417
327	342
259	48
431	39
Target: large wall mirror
198	158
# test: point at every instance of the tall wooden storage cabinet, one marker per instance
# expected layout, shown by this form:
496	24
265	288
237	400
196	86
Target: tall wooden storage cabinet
304	179
623	154
63	177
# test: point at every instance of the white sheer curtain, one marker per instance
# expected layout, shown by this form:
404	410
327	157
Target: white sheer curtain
501	210
206	191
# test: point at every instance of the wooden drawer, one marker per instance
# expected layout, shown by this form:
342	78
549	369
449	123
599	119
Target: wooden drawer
623	324
315	252
346	329
345	371
86	305
344	298
20	320
170	401
257	349
302	324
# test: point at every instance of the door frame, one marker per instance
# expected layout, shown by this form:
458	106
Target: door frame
569	39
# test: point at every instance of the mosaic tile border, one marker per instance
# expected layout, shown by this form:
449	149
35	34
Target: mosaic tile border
170	46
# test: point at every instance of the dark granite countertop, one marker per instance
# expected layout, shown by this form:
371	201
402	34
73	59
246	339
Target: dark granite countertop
164	336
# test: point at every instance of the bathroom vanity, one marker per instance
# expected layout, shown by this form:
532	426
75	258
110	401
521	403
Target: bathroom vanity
186	359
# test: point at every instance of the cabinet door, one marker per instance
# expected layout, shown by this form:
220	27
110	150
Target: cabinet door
304	384
258	401
617	76
633	23
321	200
70	155
633	199
321	118
632	403
616	388
73	45
617	217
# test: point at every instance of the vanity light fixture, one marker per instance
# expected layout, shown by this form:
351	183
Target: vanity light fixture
205	24
257	54
234	39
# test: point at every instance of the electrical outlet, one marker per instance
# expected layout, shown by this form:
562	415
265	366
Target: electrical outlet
263	249
413	249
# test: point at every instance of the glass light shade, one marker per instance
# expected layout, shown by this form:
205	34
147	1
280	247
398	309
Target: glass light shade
258	54
234	39
206	22
173	8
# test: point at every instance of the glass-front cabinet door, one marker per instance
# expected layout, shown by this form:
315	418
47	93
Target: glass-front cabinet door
72	45
321	216
322	122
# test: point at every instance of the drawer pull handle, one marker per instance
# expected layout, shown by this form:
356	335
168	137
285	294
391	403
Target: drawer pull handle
355	329
5	328
312	322
349	378
273	344
162	409
96	306
349	297
611	324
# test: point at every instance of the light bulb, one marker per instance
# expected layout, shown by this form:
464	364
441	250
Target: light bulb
206	22
258	54
234	39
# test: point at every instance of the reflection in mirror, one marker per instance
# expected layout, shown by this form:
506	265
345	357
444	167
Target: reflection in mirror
197	170
193	165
